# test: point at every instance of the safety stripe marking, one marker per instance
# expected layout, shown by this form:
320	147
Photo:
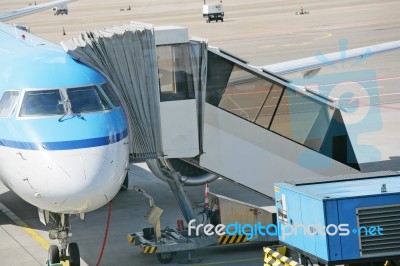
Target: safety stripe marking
226	239
270	261
232	240
149	249
274	258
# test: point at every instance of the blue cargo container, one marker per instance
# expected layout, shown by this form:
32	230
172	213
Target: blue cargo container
341	219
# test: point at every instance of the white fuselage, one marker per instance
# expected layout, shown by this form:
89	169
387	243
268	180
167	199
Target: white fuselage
65	181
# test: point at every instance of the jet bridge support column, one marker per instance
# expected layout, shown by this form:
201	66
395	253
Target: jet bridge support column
177	189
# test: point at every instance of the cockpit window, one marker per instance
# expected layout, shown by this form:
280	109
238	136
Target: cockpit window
111	94
8	103
42	103
87	99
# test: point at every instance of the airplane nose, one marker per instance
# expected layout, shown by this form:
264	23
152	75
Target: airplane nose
82	182
67	181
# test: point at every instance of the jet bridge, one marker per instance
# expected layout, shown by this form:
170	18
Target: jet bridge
196	113
204	113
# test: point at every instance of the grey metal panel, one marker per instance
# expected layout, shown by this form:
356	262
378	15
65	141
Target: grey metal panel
198	61
167	35
338	178
387	217
257	158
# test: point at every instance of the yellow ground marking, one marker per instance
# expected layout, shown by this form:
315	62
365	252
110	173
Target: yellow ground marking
296	44
43	242
32	233
36	237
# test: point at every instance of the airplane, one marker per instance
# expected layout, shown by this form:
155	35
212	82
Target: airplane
64	141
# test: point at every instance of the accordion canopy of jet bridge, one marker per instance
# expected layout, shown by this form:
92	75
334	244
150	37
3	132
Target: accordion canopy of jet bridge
127	57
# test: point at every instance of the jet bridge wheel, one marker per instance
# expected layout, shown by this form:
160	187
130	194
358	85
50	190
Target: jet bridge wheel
166	257
54	254
74	256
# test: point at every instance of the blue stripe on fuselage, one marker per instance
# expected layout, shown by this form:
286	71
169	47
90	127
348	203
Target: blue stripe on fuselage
65	145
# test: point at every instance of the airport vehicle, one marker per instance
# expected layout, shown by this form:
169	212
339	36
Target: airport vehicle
63	143
221	211
60	10
346	219
213	12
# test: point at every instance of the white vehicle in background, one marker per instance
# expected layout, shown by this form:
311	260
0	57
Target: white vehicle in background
213	12
60	10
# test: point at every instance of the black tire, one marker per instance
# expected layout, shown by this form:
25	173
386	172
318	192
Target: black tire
165	258
125	185
54	254
74	256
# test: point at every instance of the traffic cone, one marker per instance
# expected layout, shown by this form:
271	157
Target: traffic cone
206	203
64	32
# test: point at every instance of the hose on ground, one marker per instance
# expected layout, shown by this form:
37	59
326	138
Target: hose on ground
105	234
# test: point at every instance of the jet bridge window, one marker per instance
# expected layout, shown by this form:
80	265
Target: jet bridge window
174	71
241	91
265	115
302	119
87	99
42	103
245	94
8	103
